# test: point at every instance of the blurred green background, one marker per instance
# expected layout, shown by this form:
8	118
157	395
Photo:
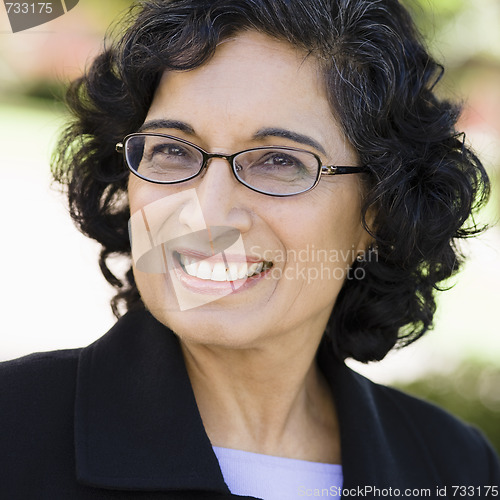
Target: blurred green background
457	365
465	36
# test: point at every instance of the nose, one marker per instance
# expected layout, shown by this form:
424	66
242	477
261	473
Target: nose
221	200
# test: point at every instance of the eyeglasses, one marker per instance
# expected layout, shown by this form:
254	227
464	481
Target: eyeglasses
273	171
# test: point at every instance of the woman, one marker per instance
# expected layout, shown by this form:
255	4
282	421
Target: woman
294	193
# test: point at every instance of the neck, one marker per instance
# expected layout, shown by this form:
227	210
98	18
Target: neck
270	400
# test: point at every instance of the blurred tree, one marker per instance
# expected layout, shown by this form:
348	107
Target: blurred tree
471	392
433	14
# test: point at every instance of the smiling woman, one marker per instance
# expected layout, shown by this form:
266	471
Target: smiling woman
244	111
289	191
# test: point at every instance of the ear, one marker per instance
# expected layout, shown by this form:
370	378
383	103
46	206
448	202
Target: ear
367	239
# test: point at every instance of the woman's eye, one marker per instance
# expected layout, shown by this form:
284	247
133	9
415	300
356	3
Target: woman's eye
164	157
170	150
280	161
171	155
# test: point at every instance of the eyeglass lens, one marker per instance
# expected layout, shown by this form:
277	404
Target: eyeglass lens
278	171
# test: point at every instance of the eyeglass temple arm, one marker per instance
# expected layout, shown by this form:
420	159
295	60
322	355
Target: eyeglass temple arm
337	170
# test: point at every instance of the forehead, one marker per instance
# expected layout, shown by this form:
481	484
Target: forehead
252	81
250	59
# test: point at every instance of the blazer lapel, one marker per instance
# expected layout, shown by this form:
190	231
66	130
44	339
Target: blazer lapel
137	425
380	446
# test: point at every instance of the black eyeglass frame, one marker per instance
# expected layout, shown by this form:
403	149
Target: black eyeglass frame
322	169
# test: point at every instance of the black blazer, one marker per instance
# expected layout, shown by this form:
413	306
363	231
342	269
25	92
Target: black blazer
118	419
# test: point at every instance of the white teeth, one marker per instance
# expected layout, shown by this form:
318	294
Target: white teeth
219	272
205	270
242	271
233	271
251	269
191	266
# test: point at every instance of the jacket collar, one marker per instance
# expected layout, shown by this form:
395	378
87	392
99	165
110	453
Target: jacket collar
380	445
137	425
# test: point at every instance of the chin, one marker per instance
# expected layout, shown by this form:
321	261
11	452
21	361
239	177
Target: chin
224	322
225	329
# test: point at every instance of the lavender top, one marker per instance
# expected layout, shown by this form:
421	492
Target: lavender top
277	478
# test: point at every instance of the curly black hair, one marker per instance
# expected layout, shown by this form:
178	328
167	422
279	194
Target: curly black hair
423	185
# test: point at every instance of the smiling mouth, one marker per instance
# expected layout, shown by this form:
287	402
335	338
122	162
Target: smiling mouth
229	271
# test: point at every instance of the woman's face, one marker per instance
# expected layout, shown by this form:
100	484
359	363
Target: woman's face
254	92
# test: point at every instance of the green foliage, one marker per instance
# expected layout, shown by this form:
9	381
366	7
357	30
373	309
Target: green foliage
437	7
432	14
107	11
471	392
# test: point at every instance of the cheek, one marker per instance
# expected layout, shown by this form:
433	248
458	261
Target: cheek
322	240
150	287
330	219
137	195
142	193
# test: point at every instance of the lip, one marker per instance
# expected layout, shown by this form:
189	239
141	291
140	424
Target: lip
196	254
209	287
204	242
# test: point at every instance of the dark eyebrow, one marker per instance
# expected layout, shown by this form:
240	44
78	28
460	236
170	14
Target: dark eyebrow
288	134
261	134
176	124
